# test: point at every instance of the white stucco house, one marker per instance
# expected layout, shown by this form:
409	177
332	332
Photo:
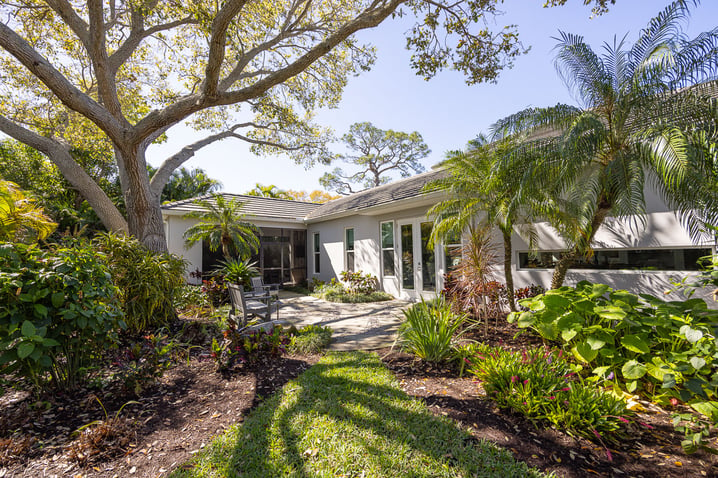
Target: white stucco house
384	231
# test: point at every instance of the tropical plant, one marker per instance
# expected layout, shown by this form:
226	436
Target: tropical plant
21	220
663	350
270	191
470	284
186	183
221	224
311	339
541	385
359	283
430	330
237	271
473	190
148	282
59	313
643	118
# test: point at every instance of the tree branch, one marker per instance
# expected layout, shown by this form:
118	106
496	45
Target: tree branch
217	43
106	85
73	172
70	96
72	19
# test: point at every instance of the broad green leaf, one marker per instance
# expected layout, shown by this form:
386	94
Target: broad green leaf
669	380
568	334
547	330
601	371
583	306
634	343
632	386
556	302
583	352
698	363
691	335
526	319
25	349
656	371
709	409
610	312
58	298
595	342
598	290
695	385
633	370
40	309
50	343
28	329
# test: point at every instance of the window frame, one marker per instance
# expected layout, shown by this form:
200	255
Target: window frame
347	250
382	248
316	253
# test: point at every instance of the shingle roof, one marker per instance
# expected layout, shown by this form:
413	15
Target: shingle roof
387	193
253	206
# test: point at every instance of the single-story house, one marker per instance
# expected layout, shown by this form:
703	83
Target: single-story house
384	231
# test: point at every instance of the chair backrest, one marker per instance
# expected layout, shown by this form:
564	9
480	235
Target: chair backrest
257	285
239	303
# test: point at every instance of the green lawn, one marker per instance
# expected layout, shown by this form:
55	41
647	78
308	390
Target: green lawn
347	417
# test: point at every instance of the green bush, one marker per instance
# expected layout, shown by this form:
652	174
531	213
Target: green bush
191	297
334	291
148	282
541	385
430	330
663	350
359	283
311	339
237	271
58	314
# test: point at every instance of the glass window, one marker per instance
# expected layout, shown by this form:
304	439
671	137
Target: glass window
452	251
608	259
428	272
407	256
349	249
316	252
387	248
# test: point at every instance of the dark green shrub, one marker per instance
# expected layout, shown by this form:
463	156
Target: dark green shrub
143	362
541	385
359	283
58	314
311	339
430	330
148	282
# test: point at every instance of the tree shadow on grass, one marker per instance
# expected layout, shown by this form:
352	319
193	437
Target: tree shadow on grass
343	418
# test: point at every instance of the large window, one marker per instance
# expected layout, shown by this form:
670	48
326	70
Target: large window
317	250
387	248
638	259
452	251
349	249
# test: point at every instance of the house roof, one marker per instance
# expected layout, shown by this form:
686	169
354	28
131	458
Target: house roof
369	198
258	206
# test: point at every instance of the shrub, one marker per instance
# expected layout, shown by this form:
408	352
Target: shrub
661	349
359	283
59	312
541	385
191	297
311	339
148	282
429	330
249	347
334	291
236	271
145	361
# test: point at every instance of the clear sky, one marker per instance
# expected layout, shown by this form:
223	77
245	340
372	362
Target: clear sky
444	110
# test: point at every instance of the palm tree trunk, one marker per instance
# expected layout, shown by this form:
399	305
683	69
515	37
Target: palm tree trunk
567	260
508	274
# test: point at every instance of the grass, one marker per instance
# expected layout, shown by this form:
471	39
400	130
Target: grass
347	416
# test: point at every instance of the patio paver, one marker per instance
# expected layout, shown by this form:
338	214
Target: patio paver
366	326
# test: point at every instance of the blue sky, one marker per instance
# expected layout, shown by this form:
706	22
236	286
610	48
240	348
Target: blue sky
444	110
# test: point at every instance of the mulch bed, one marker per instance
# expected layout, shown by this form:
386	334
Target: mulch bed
190	405
650	451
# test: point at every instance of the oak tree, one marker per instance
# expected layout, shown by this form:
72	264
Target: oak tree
114	77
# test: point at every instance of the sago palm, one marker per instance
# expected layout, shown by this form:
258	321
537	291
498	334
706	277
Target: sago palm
473	192
647	114
222	225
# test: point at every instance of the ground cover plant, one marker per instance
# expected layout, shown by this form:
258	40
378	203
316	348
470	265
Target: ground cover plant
664	351
359	288
310	339
347	416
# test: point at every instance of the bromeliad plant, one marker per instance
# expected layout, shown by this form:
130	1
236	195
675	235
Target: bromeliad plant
663	350
541	385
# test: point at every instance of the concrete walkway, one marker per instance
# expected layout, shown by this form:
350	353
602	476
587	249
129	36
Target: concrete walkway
356	326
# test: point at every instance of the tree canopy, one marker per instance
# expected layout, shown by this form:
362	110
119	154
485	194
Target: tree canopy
378	153
113	77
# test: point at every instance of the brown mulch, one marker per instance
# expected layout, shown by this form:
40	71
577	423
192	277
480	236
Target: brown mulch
649	451
176	418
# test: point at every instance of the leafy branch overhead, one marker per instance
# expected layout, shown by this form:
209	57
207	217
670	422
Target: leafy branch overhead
116	76
378	153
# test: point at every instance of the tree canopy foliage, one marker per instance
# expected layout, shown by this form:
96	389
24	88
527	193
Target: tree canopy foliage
378	152
113	77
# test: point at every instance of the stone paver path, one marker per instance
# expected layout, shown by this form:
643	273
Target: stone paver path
356	326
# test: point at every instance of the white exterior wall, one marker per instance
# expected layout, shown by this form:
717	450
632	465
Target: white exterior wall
175	226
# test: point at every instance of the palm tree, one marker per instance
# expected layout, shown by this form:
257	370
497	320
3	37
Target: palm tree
20	218
472	191
221	224
189	183
645	116
270	191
